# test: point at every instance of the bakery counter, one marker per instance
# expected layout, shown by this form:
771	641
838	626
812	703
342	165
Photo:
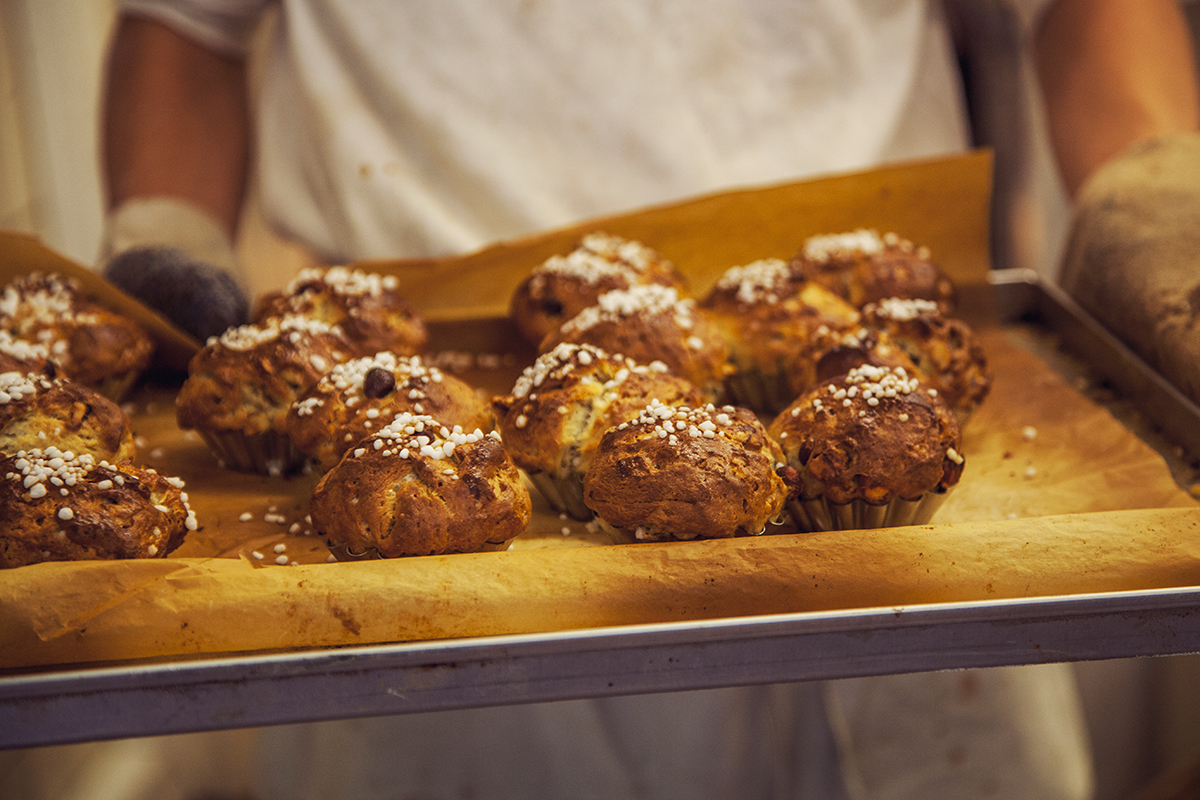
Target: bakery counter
1069	539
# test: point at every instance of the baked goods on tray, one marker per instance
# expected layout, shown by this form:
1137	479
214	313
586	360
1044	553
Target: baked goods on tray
771	318
364	305
62	506
677	473
558	409
416	487
37	411
563	285
86	342
653	323
872	449
241	384
358	397
863	267
944	349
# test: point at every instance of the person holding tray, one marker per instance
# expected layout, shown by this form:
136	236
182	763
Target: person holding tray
392	130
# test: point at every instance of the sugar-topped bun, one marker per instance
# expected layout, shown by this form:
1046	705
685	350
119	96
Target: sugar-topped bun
366	306
61	506
863	267
242	383
37	411
416	487
770	318
562	404
945	350
686	473
838	352
562	286
19	355
86	343
360	396
653	323
874	448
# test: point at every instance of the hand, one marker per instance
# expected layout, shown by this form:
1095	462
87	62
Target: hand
178	260
196	296
1133	258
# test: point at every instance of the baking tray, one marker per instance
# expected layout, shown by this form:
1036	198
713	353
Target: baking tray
58	704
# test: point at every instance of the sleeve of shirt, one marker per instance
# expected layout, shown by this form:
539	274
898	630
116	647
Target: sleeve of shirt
225	25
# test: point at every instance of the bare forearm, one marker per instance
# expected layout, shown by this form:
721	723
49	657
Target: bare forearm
176	121
1113	72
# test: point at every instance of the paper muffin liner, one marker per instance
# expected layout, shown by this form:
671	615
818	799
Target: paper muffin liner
267	453
632	536
760	391
116	387
342	552
818	514
565	494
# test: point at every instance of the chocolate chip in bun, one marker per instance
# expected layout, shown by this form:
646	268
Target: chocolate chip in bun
874	448
360	396
678	473
61	506
552	420
562	286
417	487
367	306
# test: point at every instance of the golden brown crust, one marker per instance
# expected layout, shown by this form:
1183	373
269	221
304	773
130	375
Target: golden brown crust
686	473
838	352
245	380
864	267
875	435
409	496
365	305
36	411
86	342
944	349
771	319
559	408
562	286
59	507
652	323
358	397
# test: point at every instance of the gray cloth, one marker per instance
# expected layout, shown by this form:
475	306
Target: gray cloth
1133	259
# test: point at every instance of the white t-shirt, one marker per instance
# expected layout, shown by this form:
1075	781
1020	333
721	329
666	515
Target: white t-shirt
393	129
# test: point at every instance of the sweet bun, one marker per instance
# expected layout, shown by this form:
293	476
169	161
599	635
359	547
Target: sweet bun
37	411
86	342
415	488
563	403
242	383
61	506
872	449
653	323
864	267
677	473
360	396
562	286
366	306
